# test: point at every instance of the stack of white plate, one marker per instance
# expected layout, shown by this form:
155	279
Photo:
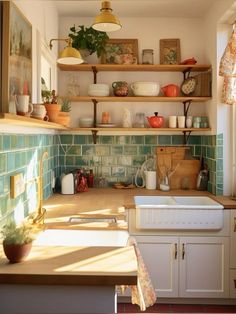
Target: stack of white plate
98	90
86	122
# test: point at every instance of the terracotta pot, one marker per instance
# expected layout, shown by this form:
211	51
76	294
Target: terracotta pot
52	111
63	118
16	252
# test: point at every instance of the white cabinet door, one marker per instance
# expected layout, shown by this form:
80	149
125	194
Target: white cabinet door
204	267
160	255
233	239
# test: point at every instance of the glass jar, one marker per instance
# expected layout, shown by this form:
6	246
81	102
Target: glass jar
147	56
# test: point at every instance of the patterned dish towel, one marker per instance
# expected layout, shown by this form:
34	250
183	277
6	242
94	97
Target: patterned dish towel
142	294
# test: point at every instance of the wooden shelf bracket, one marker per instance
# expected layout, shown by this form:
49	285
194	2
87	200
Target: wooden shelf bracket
94	134
186	137
187	104
95	71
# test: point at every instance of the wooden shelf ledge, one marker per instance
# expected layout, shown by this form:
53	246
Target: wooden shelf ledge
144	129
137	99
14	119
136	67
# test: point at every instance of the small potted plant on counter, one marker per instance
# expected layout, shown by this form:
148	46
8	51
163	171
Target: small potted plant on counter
64	115
87	40
17	240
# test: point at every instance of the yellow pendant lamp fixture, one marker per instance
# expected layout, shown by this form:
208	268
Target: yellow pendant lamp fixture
68	55
106	21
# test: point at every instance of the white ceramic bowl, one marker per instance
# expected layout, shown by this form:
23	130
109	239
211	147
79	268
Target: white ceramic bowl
86	122
145	88
98	90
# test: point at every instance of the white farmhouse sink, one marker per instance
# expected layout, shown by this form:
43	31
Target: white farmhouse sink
60	237
178	213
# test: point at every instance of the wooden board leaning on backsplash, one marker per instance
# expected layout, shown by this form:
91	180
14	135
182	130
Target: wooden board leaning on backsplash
170	158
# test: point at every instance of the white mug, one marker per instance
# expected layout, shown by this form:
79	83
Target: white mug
172	121
151	180
181	121
39	112
23	107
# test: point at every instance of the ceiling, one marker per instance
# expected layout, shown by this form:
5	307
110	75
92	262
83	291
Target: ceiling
137	8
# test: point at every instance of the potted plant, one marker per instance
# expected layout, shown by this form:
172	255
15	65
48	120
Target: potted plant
64	115
88	39
50	102
17	240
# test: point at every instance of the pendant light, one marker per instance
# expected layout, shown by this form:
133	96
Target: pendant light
68	55
106	21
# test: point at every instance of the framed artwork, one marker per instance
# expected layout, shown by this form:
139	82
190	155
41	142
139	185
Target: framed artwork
120	51
17	54
169	51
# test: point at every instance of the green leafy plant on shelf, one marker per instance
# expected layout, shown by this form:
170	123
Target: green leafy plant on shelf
87	38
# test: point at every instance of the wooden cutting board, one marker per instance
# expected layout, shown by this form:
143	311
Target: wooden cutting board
186	170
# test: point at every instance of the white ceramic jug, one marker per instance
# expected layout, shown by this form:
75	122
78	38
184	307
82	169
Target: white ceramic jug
23	107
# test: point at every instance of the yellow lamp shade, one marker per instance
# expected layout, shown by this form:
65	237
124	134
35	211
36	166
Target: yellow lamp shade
70	55
106	21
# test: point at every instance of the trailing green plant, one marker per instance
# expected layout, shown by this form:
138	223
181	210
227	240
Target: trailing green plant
88	38
19	234
66	105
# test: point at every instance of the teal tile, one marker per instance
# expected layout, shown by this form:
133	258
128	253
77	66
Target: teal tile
151	139
79	139
125	161
204	140
18	160
118	171
122	140
106	139
102	150
6	184
90	139
219	164
81	161
31	141
220	142
13	141
194	140
130	150
220	136
177	140
10	162
197	150
164	139
6	142
66	139
1	140
138	160
219	152
20	141
3	158
144	150
137	139
74	150
213	140
106	171
116	150
88	150
1	185
109	160
204	151
219	192
219	180
70	160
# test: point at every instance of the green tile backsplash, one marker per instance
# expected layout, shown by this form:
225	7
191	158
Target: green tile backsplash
115	158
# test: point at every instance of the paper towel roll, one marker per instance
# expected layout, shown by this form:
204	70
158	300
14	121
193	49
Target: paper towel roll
151	180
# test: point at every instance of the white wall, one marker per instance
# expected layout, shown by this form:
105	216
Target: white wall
148	31
216	40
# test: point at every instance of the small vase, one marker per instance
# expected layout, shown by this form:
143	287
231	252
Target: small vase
52	111
16	252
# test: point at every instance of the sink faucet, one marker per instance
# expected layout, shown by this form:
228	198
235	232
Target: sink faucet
39	218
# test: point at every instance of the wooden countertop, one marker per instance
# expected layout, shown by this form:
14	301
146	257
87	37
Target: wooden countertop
63	265
106	203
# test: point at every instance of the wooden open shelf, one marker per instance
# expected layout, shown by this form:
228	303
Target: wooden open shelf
143	129
137	99
136	67
14	119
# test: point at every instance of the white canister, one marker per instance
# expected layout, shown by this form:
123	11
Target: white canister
189	121
172	121
151	180
181	122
